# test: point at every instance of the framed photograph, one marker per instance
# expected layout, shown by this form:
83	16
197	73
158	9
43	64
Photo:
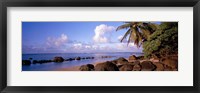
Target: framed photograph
99	46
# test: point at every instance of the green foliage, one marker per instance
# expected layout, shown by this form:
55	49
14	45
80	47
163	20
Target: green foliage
163	42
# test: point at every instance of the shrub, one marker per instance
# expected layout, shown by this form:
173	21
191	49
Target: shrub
163	42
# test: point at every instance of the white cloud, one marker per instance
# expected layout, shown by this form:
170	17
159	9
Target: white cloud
95	47
61	44
128	47
87	47
131	45
102	33
57	42
77	46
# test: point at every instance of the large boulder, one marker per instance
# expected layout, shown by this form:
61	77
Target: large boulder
106	66
119	66
88	67
136	67
167	68
159	66
121	61
26	62
126	67
58	59
136	62
147	66
132	58
114	61
172	63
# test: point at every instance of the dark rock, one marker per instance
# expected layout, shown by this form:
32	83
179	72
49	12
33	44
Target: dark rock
136	62
70	59
41	61
45	61
35	61
119	66
126	67
26	62
167	68
106	56
106	66
136	67
132	58
159	66
147	66
114	61
84	68
171	63
88	67
58	59
78	58
129	63
121	61
67	60
140	57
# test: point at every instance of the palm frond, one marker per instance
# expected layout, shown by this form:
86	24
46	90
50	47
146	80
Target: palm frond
129	39
133	35
139	34
138	31
126	34
124	26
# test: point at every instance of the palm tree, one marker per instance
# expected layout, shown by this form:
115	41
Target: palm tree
138	32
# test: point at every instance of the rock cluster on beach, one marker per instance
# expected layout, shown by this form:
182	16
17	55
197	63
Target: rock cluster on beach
26	62
135	64
57	59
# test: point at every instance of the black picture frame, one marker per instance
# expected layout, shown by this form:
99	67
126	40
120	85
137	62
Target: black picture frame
98	3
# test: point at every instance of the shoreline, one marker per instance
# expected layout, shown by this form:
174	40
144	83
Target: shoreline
74	68
133	63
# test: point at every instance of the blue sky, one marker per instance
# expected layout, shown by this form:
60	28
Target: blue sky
73	37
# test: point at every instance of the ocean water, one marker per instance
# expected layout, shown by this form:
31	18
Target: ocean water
53	66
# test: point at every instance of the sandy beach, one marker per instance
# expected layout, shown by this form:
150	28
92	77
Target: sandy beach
74	68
